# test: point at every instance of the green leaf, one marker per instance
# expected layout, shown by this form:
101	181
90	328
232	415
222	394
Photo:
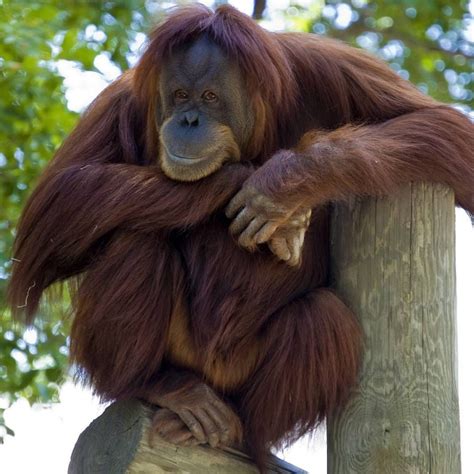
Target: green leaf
55	374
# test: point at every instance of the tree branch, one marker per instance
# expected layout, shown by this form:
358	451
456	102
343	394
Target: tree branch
258	9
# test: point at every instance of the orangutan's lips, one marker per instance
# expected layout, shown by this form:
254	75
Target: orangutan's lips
183	160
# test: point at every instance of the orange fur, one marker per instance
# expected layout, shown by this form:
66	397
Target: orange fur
226	376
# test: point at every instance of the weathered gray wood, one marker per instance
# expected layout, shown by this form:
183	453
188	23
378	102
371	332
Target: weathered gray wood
117	443
393	264
109	443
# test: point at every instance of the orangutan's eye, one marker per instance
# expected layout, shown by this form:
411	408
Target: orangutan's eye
181	95
209	96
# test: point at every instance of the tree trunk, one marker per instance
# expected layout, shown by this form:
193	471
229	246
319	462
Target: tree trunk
393	264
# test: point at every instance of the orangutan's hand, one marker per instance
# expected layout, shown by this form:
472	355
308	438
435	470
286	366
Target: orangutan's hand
287	241
258	219
195	415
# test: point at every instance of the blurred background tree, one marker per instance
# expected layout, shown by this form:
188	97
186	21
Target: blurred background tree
47	47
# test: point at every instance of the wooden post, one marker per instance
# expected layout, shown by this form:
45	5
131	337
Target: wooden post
117	443
393	264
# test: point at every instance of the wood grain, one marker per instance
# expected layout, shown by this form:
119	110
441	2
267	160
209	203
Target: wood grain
393	264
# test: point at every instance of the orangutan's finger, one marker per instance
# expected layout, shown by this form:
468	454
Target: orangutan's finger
265	233
236	203
247	237
241	221
193	425
295	251
279	248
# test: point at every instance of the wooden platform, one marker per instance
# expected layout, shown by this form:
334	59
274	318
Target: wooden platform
117	443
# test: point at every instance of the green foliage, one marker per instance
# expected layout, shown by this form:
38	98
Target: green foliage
430	43
34	119
419	38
